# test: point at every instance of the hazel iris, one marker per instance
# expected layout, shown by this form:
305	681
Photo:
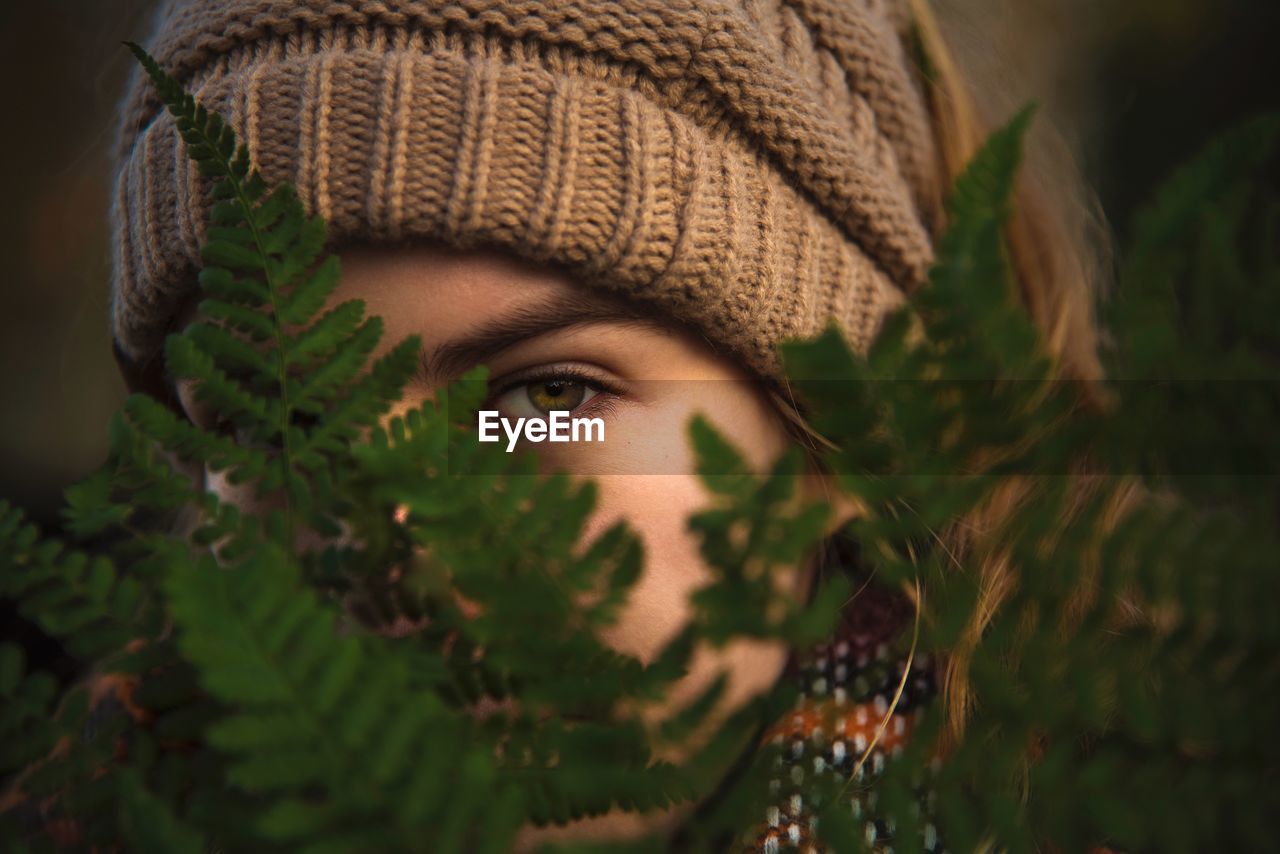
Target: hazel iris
556	394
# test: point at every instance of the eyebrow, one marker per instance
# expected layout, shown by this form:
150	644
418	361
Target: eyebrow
452	358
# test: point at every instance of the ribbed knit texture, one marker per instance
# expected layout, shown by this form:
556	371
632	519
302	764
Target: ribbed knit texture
755	168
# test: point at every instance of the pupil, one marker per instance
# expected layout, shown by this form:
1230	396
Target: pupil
549	395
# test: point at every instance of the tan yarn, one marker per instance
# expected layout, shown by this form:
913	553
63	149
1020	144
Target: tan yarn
751	167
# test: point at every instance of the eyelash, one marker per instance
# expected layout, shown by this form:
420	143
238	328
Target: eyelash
601	404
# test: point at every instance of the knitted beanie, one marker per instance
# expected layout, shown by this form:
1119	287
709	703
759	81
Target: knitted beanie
754	168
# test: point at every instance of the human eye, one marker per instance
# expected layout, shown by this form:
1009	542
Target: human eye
538	392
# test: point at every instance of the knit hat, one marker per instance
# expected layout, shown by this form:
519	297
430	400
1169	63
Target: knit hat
754	168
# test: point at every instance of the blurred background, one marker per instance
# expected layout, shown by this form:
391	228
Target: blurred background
1135	85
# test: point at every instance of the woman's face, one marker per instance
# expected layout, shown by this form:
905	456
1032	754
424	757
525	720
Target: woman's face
551	343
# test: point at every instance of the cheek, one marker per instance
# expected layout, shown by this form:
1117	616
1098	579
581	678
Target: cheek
656	508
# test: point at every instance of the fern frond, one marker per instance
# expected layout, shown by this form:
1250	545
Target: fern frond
291	382
150	825
26	706
80	600
314	709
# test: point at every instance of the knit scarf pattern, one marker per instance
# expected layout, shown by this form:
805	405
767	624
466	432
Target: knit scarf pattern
861	693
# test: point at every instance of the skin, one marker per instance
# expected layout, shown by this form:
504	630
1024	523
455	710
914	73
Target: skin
647	378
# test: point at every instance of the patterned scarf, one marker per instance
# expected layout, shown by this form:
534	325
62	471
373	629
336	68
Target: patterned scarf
846	724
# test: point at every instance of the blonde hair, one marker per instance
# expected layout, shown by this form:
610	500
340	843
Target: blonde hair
1059	258
1056	236
1060	253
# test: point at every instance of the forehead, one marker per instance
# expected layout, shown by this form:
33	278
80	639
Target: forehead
441	294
